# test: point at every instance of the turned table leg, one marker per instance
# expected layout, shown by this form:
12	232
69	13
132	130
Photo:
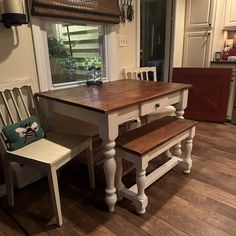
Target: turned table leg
118	181
109	166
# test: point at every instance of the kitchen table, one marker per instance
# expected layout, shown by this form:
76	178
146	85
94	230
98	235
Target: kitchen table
112	104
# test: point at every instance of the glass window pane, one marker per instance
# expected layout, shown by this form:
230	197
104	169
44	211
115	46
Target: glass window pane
72	48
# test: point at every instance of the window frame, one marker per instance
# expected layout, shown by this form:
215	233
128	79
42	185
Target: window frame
42	54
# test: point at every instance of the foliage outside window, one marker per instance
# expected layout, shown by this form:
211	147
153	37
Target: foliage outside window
71	49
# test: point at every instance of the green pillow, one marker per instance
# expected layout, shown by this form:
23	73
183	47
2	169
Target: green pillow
22	133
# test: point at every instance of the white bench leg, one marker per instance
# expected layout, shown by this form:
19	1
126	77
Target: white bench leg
118	180
187	161
141	200
53	185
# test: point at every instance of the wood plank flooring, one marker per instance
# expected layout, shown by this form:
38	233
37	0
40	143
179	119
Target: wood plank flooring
202	203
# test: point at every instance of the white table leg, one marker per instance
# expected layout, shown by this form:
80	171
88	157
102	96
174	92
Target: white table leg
118	181
109	166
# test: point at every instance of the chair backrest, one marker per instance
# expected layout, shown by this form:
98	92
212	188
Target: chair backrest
141	73
16	104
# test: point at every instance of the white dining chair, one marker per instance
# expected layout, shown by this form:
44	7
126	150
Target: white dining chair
148	73
141	73
48	153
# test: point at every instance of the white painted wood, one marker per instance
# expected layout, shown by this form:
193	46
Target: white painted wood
196	49
154	105
160	105
7	107
179	23
232	89
109	166
136	193
24	104
41	53
199	14
230	16
199	32
187	163
141	200
155	175
118	182
48	154
143	72
54	191
16	105
169	42
108	125
138	33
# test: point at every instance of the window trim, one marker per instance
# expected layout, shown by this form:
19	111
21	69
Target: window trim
42	55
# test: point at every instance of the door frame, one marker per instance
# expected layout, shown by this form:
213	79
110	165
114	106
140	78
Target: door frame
169	38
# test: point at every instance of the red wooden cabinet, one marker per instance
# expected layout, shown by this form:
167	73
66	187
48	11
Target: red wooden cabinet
208	97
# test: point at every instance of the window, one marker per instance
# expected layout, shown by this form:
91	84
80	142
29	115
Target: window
106	47
73	50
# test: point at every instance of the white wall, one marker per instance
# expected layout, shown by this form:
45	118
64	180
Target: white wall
218	36
179	22
17	54
122	57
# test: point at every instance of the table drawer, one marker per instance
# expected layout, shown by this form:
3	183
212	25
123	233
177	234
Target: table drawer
153	105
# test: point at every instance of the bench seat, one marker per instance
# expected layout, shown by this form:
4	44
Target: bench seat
145	143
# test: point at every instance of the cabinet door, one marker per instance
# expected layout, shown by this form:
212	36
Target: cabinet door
196	49
198	14
230	14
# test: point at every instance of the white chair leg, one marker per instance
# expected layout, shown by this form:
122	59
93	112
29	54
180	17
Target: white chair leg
89	154
9	181
53	185
141	200
177	150
139	123
187	161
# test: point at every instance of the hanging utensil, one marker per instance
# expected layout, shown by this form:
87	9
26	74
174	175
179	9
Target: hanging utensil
130	10
122	9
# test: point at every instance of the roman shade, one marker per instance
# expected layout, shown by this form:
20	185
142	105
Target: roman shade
106	11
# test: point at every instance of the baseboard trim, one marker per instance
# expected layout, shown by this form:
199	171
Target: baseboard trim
2	190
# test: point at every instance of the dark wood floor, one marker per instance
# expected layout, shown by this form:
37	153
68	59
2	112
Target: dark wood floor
202	203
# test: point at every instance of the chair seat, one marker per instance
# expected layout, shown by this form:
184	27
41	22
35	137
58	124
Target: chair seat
51	149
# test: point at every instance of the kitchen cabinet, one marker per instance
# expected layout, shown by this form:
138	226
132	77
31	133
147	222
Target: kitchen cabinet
230	15
232	89
196	49
198	14
199	23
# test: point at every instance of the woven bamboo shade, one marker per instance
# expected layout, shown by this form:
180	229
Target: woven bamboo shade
90	10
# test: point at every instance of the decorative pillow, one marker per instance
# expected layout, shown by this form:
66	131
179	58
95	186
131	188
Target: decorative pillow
22	133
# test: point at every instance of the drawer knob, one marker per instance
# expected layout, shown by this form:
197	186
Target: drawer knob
157	105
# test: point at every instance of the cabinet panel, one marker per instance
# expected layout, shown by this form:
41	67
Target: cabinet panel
196	49
232	86
230	15
198	14
208	97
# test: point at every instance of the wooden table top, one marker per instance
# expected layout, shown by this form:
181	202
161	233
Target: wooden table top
114	95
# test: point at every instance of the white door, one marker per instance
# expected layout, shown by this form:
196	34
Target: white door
230	14
196	49
198	14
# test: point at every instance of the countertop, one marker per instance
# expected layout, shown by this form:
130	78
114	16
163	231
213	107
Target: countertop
224	61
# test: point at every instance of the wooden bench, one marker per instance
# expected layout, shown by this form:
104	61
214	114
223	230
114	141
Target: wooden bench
143	144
